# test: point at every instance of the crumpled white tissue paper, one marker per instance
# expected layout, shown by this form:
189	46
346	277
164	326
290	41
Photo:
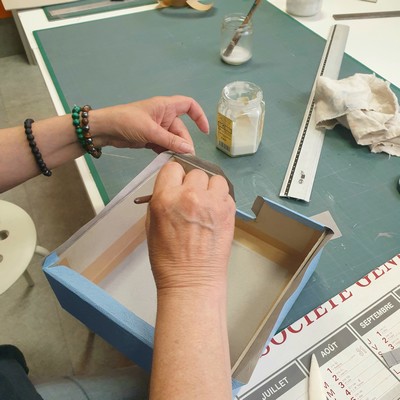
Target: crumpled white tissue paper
363	103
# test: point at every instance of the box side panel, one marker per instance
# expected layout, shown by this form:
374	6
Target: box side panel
290	250
141	185
258	274
106	231
285	230
259	201
270	326
103	315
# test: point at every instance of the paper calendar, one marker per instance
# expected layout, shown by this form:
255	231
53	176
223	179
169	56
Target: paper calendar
349	335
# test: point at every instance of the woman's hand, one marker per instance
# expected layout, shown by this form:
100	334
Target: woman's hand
153	123
190	225
190	228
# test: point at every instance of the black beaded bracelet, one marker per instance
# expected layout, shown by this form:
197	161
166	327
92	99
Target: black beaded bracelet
35	151
80	120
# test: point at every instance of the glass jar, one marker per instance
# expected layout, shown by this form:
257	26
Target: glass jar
240	118
231	29
303	8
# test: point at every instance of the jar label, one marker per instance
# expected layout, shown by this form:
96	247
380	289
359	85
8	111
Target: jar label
224	132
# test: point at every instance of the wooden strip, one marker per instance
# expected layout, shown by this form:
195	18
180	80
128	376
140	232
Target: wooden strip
107	261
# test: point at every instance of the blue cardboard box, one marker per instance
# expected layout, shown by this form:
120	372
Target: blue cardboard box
102	274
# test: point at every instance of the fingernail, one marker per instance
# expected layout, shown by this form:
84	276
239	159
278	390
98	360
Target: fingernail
186	148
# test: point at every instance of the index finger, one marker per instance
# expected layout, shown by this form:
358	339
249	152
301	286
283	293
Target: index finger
189	106
170	175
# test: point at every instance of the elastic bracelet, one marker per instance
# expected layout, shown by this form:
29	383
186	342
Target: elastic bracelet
80	120
35	151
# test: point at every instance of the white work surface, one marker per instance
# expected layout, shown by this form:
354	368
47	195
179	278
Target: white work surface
373	42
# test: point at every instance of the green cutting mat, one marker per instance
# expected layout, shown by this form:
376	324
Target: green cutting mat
89	7
170	51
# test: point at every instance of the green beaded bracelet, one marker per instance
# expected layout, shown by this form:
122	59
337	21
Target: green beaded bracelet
80	120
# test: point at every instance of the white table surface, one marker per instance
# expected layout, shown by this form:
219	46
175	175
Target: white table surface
22	4
374	42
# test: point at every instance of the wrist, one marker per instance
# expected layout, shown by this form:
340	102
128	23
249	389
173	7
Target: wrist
202	292
189	276
98	128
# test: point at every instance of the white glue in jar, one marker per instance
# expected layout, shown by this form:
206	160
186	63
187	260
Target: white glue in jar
240	118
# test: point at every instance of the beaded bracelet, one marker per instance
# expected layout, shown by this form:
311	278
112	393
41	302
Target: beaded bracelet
80	120
35	151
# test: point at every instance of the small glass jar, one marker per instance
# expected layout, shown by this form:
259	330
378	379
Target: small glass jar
303	8
231	29
240	118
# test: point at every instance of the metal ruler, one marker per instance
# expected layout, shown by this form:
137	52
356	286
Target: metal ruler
85	7
375	14
303	164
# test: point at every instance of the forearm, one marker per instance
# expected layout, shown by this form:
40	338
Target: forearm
191	351
154	123
56	140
